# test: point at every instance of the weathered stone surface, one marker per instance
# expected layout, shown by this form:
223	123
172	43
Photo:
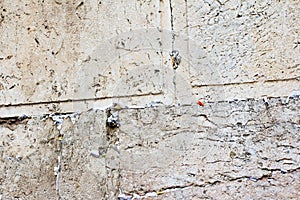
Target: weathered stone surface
195	149
231	48
224	149
265	188
83	150
42	42
244	40
225	47
64	63
28	152
44	158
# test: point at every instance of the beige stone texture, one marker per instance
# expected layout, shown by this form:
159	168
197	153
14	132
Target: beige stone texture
238	150
94	103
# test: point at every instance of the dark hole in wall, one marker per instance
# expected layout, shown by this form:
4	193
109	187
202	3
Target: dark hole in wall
12	122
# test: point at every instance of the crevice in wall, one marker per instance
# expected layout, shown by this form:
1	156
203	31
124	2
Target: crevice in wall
172	23
112	125
144	194
79	100
188	37
57	168
13	122
281	170
207	119
113	173
58	119
262	177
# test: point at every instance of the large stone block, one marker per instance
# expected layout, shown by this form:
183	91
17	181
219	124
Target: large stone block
28	152
45	45
163	152
177	150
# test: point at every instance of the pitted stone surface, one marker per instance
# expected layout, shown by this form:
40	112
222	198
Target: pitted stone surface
223	149
64	64
62	51
189	148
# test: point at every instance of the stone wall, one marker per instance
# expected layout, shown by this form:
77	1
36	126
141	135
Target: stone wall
92	105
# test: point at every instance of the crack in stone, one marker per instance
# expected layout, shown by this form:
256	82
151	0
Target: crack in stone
79	100
246	82
172	24
112	127
172	188
255	179
281	170
12	122
57	169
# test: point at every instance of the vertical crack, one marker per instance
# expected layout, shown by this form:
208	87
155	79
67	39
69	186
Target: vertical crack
172	24
57	169
58	121
113	171
172	49
188	37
